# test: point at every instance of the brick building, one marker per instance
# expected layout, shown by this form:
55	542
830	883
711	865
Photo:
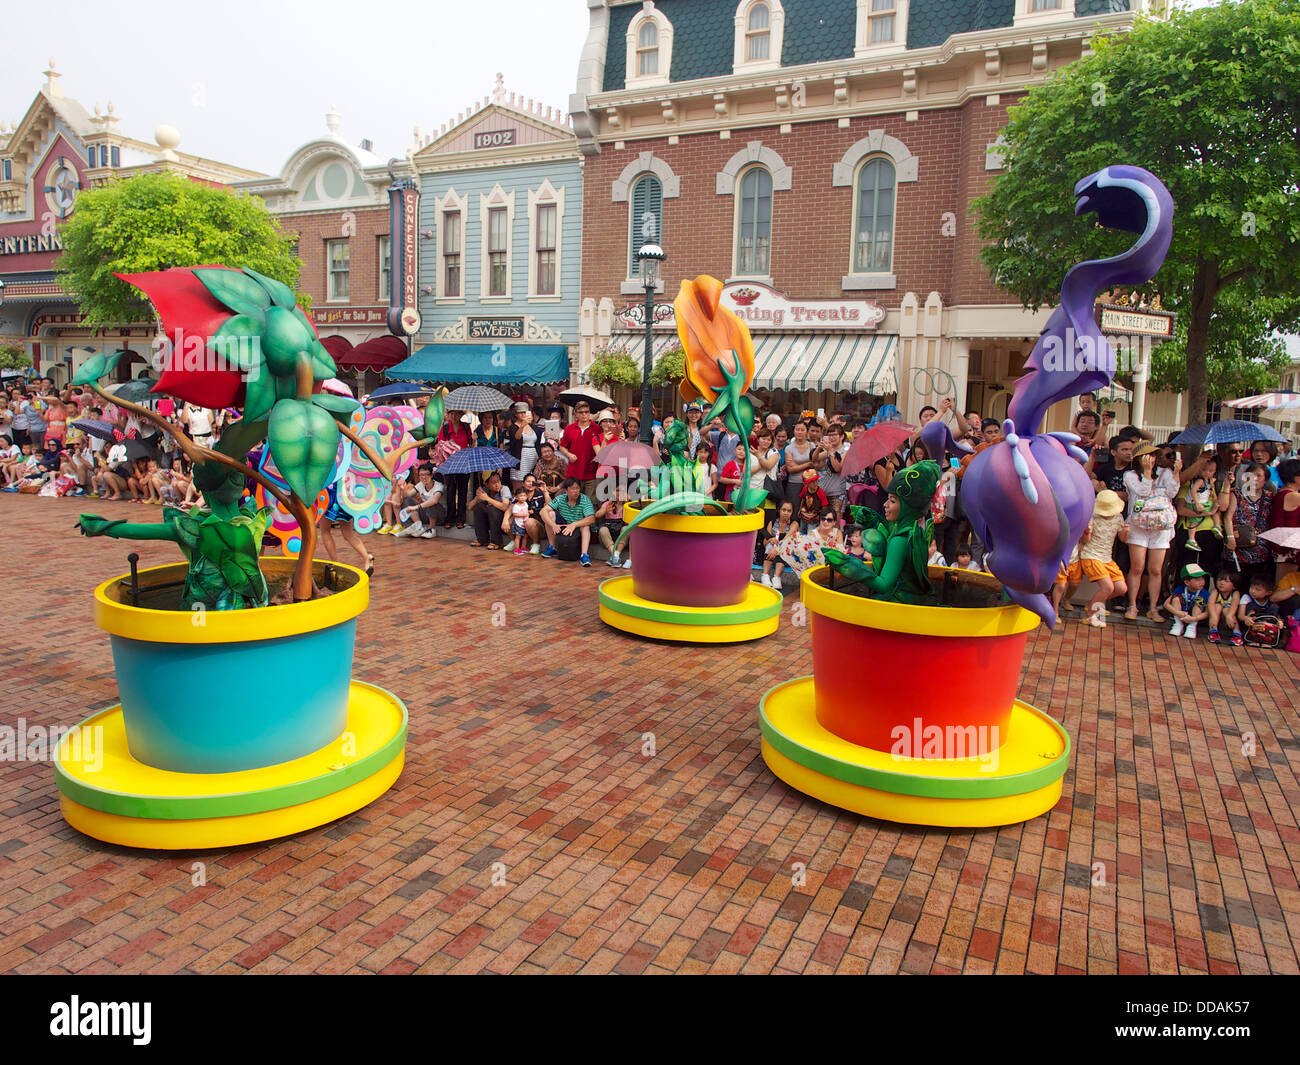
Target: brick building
821	157
57	149
334	195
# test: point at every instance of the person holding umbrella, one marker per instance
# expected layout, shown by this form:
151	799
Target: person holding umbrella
453	437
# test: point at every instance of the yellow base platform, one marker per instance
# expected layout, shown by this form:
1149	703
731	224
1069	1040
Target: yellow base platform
757	616
107	794
1018	781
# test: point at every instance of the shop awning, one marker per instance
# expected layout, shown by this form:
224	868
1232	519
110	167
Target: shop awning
336	345
1115	393
377	354
837	362
486	364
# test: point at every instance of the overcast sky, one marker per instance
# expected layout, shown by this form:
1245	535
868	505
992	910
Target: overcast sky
247	83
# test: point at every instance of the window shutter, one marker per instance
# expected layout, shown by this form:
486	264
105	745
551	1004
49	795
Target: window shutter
647	198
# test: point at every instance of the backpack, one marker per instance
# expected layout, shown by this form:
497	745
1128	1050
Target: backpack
1266	630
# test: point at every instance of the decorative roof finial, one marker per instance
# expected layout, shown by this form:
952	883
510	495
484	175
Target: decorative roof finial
52	76
499	91
333	120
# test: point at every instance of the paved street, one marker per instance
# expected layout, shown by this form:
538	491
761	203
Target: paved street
1171	850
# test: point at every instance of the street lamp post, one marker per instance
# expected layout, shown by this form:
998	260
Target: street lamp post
649	256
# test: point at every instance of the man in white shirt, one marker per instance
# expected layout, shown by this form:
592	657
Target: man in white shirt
428	509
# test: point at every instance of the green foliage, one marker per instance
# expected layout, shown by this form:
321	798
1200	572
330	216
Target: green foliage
304	441
669	368
12	357
1206	102
157	221
610	367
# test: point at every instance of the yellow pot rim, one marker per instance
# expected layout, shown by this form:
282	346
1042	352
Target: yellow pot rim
696	523
228	626
1009	620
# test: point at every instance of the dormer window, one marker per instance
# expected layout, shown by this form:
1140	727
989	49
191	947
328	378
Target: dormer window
649	47
1036	11
883	16
758	38
760	29
882	26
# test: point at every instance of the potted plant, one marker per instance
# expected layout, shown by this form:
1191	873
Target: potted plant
911	712
613	368
239	716
692	556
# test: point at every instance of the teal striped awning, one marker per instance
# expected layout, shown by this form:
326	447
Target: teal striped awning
836	362
485	364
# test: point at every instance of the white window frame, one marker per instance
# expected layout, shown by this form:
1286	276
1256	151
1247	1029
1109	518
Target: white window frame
633	79
893	228
865	46
735	226
330	271
775	33
621	192
845	173
385	256
449	202
1027	16
498	197
545	195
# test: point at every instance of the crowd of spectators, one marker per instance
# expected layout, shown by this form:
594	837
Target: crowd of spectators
1175	535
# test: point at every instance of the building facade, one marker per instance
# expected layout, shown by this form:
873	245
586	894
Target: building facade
334	195
499	247
821	157
57	149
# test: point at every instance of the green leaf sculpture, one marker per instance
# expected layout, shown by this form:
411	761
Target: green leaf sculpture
304	441
340	407
434	415
280	293
240	293
97	366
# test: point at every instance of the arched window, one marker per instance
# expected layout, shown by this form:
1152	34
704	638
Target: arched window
874	228
646	226
754	224
758	37
647	49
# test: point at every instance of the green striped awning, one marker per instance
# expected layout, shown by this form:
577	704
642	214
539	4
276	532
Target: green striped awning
838	362
1115	393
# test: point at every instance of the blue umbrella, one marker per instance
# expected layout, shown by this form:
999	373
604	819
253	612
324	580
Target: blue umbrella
476	398
94	427
478	460
393	391
1232	431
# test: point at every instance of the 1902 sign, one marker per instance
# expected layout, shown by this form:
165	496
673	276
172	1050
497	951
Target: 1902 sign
495	138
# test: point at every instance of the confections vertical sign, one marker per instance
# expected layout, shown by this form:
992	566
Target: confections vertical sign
403	218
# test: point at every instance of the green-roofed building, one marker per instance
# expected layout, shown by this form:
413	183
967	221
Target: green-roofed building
820	157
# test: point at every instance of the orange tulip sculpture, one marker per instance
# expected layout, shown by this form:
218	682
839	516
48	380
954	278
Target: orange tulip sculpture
719	362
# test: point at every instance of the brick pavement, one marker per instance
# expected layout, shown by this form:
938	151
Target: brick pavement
525	757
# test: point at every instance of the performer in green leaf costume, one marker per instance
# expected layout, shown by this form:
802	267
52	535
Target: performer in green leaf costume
899	543
221	544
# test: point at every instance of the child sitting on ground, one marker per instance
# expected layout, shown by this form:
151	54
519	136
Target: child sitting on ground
1190	601
1095	561
1255	605
777	530
1224	603
1285	599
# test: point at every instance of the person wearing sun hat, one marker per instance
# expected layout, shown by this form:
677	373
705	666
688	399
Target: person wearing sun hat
1190	601
1095	561
1149	491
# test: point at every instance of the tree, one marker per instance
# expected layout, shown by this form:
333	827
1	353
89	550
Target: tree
157	221
1207	102
13	357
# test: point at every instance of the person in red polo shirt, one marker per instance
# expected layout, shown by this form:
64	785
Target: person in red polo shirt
578	444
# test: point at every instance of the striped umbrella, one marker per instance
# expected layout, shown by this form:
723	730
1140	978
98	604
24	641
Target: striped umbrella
478	460
476	398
